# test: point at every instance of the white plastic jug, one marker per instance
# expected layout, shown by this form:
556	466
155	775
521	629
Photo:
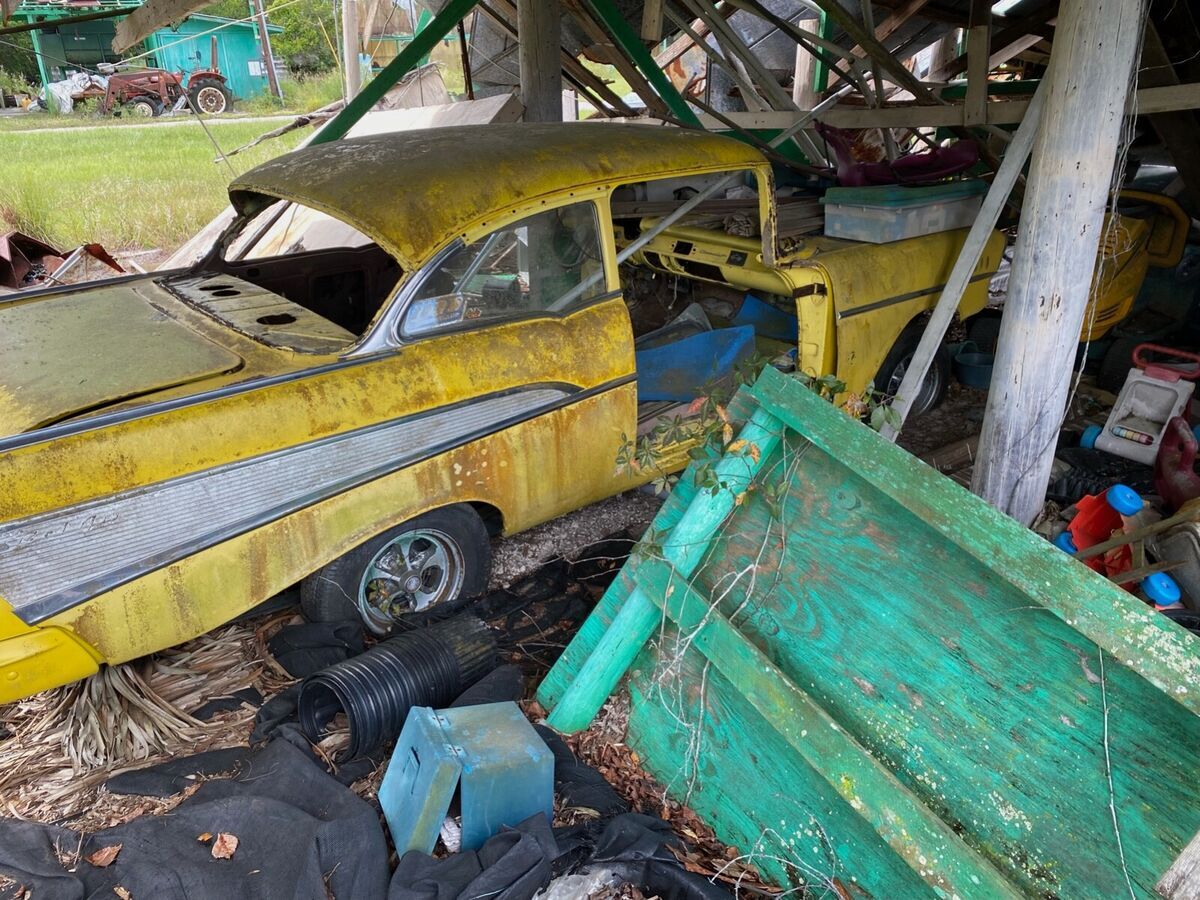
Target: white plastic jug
1153	394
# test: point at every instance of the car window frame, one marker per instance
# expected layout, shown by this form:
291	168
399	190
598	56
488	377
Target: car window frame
409	290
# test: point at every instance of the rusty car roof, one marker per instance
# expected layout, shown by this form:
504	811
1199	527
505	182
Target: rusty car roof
412	191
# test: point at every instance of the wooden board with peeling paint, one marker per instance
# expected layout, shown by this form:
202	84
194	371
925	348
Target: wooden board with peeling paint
885	682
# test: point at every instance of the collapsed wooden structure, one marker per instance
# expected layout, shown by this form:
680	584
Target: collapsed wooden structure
1015	725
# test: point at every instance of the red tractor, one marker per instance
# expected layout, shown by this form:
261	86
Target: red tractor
150	92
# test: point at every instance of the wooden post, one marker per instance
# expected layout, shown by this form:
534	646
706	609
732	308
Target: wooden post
979	37
803	93
944	53
652	21
264	38
350	67
538	24
1070	175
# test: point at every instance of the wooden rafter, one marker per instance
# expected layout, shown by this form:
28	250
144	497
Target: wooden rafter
889	26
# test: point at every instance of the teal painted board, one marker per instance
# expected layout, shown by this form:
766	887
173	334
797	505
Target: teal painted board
943	692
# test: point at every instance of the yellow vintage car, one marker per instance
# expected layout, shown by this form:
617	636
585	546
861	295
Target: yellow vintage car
401	345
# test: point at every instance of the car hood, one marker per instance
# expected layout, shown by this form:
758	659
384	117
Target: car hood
67	353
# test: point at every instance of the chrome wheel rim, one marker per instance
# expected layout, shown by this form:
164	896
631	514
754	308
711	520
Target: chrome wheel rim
929	387
413	572
210	100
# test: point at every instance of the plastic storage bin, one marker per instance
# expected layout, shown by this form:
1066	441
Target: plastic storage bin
880	215
503	771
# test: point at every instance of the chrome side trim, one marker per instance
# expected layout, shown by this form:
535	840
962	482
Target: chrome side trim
53	561
904	298
103	420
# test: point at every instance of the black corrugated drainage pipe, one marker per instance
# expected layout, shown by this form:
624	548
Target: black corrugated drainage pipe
427	667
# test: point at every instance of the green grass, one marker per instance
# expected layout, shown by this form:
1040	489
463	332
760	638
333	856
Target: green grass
123	187
299	95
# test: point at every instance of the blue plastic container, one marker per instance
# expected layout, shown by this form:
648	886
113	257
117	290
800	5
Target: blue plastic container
505	771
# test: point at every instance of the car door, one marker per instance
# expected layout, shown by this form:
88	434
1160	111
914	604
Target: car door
523	328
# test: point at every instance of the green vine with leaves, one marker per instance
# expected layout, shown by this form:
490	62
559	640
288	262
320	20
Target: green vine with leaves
707	425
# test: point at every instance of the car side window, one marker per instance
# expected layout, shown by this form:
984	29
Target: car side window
547	262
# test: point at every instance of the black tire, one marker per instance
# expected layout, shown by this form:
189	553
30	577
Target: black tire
933	391
1118	360
144	107
209	96
461	554
983	330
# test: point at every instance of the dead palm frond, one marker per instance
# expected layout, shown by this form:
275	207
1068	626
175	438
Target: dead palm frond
65	743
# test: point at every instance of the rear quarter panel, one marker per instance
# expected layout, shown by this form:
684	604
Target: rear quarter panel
530	471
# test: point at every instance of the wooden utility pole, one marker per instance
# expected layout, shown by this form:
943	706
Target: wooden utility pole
538	24
1070	176
350	65
264	38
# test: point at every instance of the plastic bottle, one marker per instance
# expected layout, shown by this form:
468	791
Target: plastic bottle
1161	590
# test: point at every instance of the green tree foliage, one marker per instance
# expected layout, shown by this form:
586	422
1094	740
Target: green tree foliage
302	45
17	59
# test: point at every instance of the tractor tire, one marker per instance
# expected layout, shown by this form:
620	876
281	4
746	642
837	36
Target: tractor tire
209	96
144	107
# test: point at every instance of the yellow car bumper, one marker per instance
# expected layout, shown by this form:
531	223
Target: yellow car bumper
41	658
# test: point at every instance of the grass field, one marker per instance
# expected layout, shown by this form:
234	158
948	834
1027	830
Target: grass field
123	187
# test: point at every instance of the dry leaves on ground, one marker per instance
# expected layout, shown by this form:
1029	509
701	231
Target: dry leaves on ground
105	856
224	846
602	746
65	743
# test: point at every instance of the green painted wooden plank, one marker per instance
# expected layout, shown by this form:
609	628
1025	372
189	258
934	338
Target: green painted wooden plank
797	829
928	844
637	618
985	706
1113	619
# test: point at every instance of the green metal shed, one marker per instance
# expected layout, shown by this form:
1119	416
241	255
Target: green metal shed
185	47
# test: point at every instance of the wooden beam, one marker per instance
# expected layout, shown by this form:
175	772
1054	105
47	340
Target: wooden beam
964	267
423	42
684	42
1023	32
350	49
978	63
1179	131
148	18
652	21
1087	88
504	14
538	26
895	69
1182	880
894	22
1146	101
654	105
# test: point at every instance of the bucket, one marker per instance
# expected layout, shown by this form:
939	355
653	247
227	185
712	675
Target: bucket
972	366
